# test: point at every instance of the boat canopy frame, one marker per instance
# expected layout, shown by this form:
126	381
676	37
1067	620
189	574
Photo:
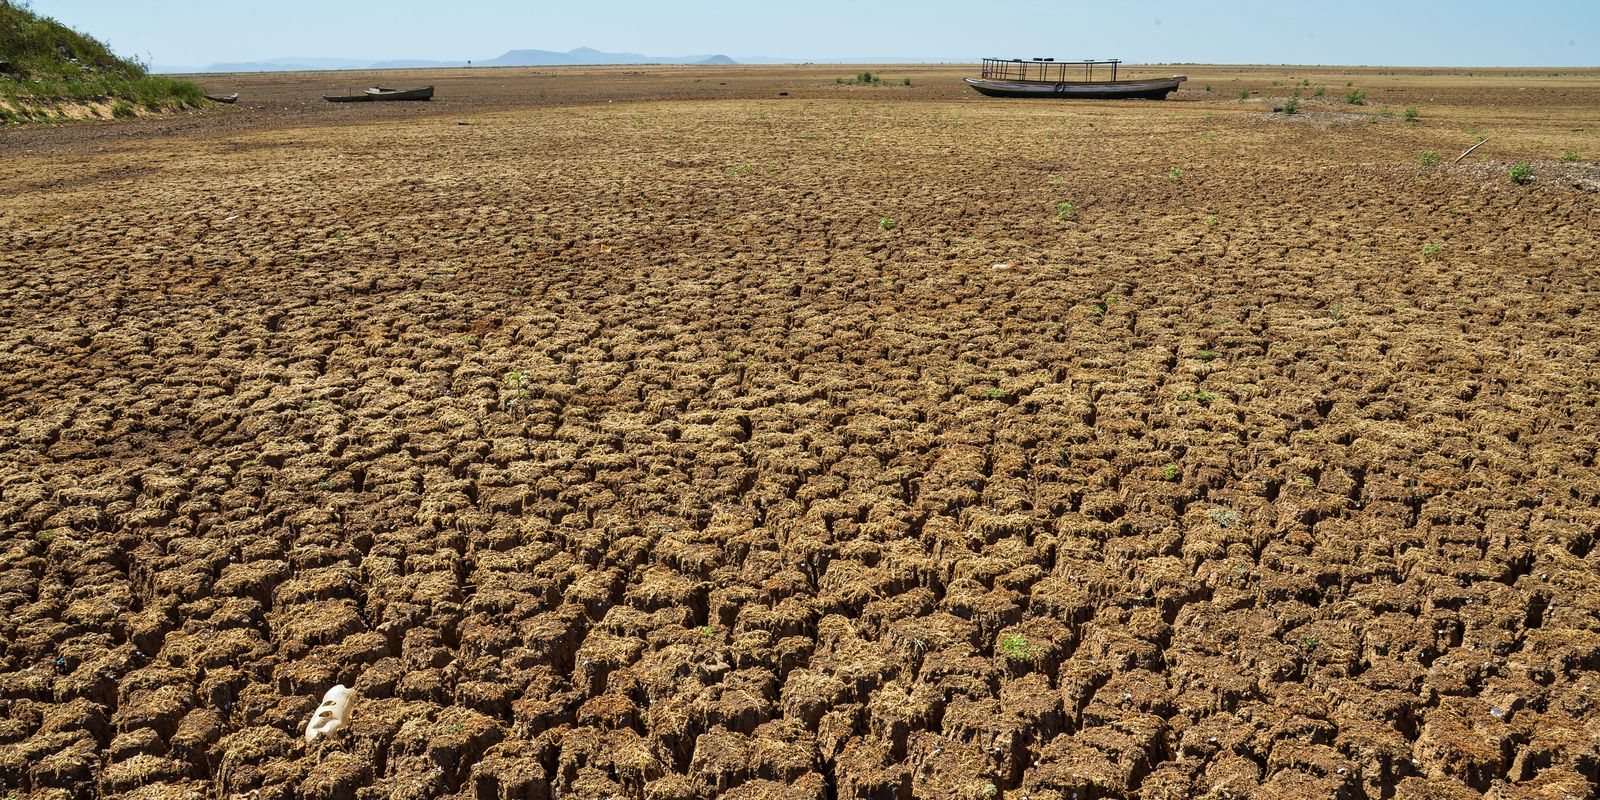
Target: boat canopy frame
1043	70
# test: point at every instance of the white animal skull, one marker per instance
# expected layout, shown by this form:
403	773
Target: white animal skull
331	715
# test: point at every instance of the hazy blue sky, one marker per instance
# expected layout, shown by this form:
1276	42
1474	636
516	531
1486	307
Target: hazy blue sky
1398	32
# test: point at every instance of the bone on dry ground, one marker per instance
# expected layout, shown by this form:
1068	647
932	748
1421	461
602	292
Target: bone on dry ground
622	449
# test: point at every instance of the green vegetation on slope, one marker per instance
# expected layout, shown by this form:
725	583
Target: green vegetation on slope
44	64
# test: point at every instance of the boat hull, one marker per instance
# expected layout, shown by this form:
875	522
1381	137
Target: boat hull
380	94
1154	89
425	93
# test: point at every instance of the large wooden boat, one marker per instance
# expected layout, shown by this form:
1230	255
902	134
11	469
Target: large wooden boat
1047	77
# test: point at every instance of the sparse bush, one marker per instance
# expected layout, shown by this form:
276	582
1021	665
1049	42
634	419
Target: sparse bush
1208	87
1569	156
1429	250
1520	172
1244	94
122	109
1412	114
905	81
1429	158
1356	97
1321	90
1292	106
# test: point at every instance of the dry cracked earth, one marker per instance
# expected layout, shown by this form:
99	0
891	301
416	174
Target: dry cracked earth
770	447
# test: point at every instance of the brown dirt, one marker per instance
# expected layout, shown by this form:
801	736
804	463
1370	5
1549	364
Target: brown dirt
610	444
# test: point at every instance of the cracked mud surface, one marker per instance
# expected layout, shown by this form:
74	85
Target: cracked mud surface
625	450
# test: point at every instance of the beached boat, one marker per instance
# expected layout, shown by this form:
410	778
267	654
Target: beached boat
1047	77
385	93
382	93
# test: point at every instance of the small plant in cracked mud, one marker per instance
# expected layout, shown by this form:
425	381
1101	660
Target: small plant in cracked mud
1223	517
516	385
1016	647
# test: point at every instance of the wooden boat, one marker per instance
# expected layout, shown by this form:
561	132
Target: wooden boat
385	93
230	99
1046	77
382	93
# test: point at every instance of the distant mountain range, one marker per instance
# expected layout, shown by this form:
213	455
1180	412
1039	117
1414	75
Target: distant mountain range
512	58
529	58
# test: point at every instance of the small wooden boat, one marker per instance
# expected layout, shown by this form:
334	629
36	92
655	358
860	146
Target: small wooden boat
385	93
230	99
382	93
1046	77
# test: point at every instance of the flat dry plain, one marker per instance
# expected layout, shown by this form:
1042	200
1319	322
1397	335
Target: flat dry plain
643	433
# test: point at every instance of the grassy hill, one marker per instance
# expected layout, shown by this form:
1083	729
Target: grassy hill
49	71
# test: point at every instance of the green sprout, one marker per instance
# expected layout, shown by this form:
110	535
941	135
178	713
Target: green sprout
1016	647
1065	210
886	224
